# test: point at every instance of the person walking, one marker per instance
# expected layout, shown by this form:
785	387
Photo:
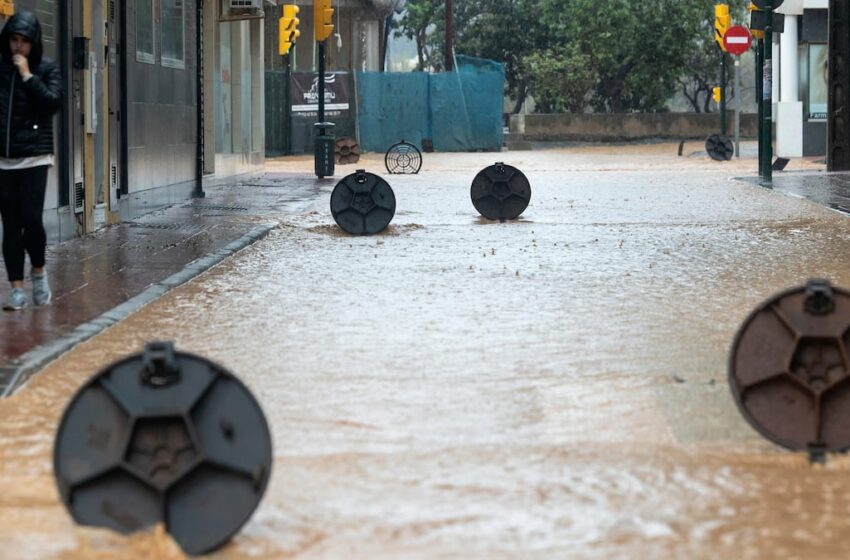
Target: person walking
30	94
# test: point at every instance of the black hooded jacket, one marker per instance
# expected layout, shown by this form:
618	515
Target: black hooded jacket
27	108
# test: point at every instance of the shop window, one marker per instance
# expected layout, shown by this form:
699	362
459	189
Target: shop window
171	20
818	82
145	32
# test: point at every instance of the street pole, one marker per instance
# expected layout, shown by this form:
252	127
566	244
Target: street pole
449	54
737	107
838	126
322	55
723	125
767	93
200	152
760	101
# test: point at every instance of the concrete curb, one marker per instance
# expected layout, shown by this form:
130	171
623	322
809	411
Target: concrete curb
24	367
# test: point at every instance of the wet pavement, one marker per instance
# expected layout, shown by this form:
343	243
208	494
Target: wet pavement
828	189
94	274
456	388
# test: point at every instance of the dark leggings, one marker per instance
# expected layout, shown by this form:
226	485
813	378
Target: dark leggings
21	207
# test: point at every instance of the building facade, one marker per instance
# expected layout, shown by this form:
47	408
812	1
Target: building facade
800	79
355	45
160	98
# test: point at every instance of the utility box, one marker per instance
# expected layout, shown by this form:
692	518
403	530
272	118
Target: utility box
325	150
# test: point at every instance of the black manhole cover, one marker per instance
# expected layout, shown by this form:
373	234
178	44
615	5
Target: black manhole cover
168	437
500	192
403	158
719	148
363	203
789	372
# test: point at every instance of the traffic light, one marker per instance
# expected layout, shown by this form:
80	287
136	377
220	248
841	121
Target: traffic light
754	22
288	28
7	8
323	18
722	22
759	18
715	94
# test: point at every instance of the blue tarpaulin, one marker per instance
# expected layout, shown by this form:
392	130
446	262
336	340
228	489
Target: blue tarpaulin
457	111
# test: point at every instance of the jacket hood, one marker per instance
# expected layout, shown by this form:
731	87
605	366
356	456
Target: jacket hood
26	24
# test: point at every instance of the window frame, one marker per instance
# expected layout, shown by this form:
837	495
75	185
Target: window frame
167	61
144	56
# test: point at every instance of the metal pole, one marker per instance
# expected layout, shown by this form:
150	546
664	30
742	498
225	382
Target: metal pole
449	54
737	107
199	85
322	86
838	127
723	125
759	84
287	115
767	93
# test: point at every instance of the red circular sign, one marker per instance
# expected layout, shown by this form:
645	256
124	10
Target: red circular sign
737	40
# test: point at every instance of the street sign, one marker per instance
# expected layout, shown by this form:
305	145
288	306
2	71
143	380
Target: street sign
737	40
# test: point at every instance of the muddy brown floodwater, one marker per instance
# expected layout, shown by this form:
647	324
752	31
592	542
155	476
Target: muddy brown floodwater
453	388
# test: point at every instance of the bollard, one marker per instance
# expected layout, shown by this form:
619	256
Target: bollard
363	203
403	158
788	369
164	436
500	192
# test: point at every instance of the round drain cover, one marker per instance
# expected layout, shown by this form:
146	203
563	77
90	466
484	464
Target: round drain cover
403	158
719	147
164	436
500	192
789	372
363	203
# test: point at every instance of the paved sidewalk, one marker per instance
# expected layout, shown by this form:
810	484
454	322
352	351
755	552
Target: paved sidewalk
827	189
99	279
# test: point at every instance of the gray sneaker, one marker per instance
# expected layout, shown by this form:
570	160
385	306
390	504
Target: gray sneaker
16	300
41	293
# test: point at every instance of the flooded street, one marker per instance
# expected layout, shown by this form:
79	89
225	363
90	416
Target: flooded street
553	387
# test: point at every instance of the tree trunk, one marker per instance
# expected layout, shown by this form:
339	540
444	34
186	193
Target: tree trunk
420	48
522	94
693	99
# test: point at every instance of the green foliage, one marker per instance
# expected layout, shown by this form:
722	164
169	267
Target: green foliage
562	79
606	55
418	23
702	63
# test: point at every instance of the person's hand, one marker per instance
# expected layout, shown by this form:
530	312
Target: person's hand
21	63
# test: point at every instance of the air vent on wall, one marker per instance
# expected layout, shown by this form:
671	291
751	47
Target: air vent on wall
243	9
79	197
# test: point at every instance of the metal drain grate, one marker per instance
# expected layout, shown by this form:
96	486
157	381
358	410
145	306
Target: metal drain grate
216	208
189	228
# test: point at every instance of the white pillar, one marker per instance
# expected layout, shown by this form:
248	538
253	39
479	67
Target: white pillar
790	60
789	110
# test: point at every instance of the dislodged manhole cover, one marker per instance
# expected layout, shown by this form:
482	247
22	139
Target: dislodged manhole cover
403	158
719	148
789	372
166	437
363	203
500	192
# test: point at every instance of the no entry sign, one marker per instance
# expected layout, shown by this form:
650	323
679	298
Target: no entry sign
737	40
